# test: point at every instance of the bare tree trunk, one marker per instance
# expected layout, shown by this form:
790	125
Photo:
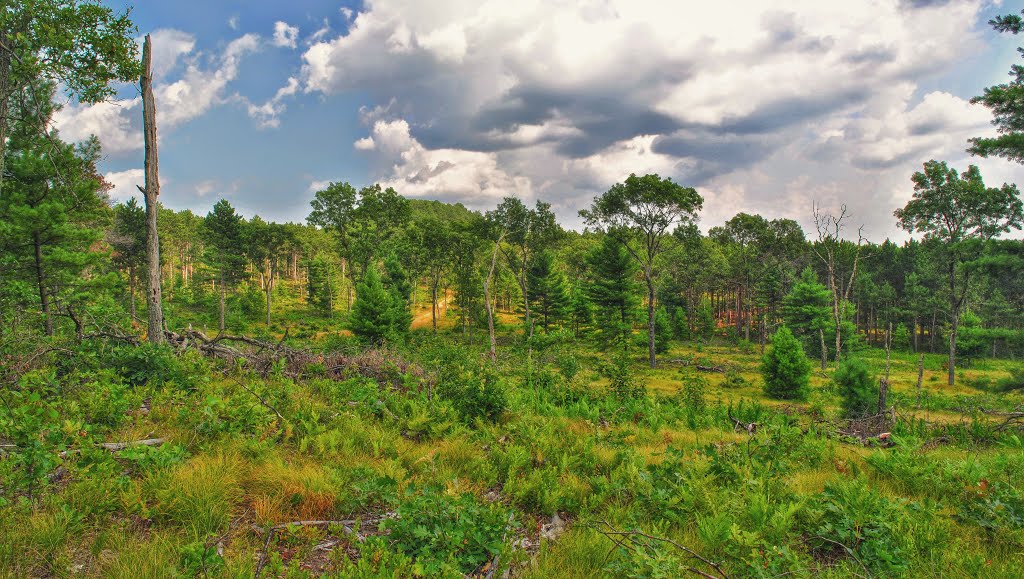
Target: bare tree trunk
920	377
650	319
155	329
824	350
5	86
487	299
131	291
433	305
953	326
44	296
223	294
883	385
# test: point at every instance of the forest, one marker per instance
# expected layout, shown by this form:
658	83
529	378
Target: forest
403	387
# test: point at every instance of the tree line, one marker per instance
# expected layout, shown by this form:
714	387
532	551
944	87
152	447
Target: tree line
69	257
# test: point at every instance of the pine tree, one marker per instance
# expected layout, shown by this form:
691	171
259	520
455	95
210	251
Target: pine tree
785	369
225	252
322	283
614	292
374	318
128	238
52	213
547	290
705	322
807	310
398	284
857	387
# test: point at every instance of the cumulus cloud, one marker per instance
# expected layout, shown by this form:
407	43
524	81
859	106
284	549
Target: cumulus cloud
123	184
285	35
268	113
199	87
471	177
761	106
111	121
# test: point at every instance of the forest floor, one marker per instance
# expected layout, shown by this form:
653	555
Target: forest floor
373	471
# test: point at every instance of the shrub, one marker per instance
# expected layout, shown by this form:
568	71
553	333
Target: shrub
859	519
474	389
857	387
621	382
785	369
734	379
662	331
448	535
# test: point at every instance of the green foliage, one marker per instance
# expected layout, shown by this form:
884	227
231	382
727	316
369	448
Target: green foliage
448	534
859	521
705	319
622	384
547	289
322	284
785	369
376	317
474	388
806	310
614	291
663	331
857	387
1004	102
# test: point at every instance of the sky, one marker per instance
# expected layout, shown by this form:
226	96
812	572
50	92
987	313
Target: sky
763	107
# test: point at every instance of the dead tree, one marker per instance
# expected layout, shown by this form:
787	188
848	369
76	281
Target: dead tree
155	330
487	296
829	228
883	384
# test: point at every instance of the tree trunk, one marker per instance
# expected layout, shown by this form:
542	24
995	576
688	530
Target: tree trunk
488	303
433	306
44	296
883	384
5	82
269	289
824	350
650	319
953	326
223	294
131	291
920	377
155	329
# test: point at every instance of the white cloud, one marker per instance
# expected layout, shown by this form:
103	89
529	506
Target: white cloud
233	22
110	121
762	106
199	89
285	35
118	123
124	184
267	114
473	178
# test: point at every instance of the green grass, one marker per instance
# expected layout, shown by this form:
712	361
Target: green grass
940	503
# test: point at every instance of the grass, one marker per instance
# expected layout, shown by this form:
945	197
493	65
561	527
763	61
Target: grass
668	463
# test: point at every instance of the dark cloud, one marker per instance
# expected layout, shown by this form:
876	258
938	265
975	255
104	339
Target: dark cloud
791	111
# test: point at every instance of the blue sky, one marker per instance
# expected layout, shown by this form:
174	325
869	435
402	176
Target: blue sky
763	107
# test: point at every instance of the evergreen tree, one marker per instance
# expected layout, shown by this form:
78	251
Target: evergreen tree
128	238
857	387
785	369
52	211
547	290
614	291
663	327
225	252
705	322
322	284
807	310
398	284
375	316
581	310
